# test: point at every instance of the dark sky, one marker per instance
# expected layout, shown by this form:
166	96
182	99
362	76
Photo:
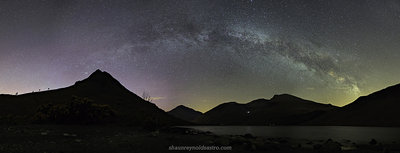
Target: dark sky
203	53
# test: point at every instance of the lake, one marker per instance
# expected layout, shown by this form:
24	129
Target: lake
355	134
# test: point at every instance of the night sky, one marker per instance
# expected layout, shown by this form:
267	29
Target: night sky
203	53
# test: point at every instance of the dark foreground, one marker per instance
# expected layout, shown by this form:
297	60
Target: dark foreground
106	139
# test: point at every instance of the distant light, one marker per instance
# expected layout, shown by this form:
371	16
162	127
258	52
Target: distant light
248	112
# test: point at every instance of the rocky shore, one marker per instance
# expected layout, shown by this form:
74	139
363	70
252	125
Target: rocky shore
104	139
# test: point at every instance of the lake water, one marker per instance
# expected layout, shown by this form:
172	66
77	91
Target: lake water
355	134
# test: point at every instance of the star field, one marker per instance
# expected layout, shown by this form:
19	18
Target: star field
203	53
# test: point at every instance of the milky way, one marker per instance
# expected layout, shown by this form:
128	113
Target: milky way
203	53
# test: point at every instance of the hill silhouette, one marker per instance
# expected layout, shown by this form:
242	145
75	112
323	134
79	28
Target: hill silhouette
100	87
281	109
380	108
185	113
377	109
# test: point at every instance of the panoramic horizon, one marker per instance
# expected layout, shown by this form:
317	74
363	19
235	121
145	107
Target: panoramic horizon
298	76
150	99
204	53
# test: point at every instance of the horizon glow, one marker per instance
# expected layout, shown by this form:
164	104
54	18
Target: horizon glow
204	53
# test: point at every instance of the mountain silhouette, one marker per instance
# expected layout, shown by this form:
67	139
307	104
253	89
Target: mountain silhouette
100	87
281	109
380	108
185	113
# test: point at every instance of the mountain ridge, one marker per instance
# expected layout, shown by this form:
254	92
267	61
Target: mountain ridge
376	109
280	109
379	108
100	87
185	113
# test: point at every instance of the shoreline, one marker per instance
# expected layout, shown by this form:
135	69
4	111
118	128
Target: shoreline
98	138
